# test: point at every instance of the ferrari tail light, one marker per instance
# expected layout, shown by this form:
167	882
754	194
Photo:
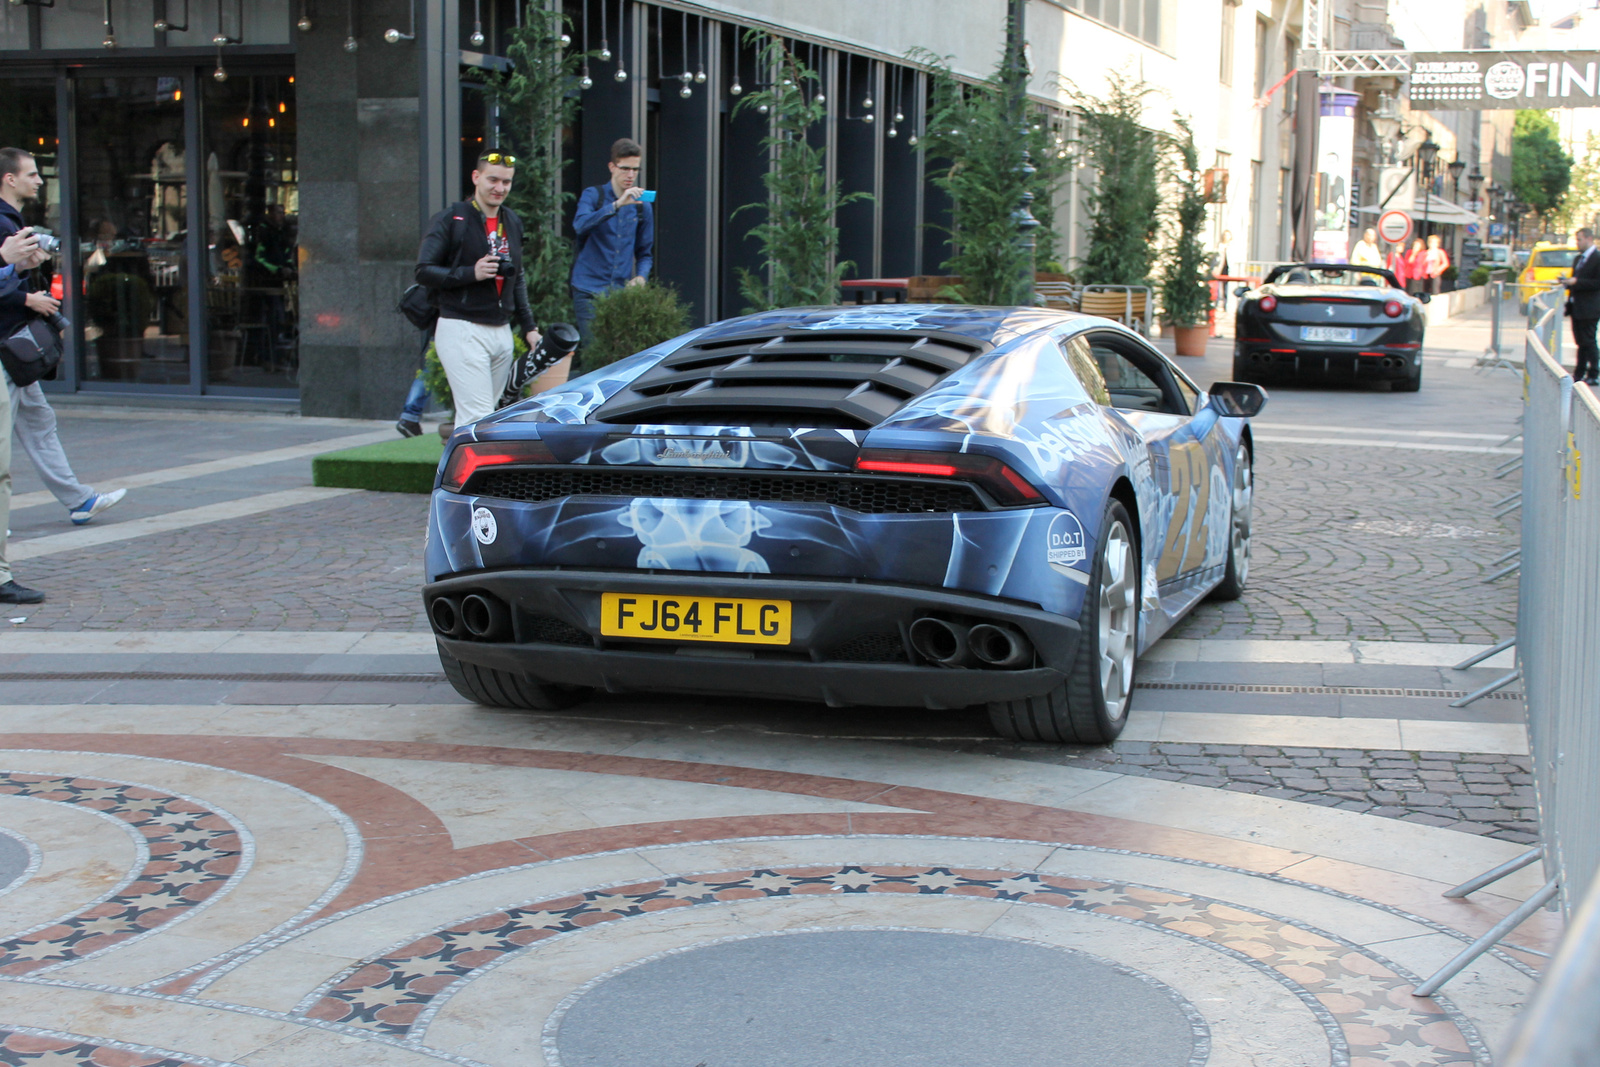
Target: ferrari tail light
1001	482
1393	309
472	456
1269	303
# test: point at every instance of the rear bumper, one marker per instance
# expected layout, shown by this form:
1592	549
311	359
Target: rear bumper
1326	361
849	640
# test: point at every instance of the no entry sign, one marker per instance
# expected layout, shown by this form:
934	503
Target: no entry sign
1394	226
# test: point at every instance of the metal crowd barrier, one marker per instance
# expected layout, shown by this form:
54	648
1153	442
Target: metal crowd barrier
1558	658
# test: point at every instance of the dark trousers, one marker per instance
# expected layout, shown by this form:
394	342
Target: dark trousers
583	311
1588	368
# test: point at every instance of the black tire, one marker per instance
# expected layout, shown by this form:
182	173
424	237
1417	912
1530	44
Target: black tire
1408	385
1232	585
1076	712
503	689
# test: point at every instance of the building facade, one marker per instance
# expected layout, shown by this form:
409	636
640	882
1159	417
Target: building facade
242	185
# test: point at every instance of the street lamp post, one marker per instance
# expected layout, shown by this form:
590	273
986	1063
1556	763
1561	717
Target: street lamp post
1427	152
1458	167
1017	112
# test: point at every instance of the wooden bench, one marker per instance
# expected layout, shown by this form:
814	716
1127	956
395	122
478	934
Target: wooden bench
1129	305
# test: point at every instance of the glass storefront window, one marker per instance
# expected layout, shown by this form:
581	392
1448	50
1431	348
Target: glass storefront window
132	219
252	210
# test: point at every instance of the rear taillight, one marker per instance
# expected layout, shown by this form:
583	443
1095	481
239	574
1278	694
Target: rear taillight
1393	309
1269	304
1004	484
472	456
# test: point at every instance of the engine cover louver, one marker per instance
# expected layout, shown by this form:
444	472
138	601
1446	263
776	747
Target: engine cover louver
851	379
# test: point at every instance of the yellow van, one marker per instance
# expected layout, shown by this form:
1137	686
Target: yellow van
1548	262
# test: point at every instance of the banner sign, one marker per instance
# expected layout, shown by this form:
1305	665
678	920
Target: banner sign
1491	81
1330	241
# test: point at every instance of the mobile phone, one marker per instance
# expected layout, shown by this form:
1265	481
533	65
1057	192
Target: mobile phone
647	195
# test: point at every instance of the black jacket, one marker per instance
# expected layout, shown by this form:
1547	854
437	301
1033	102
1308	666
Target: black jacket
1583	299
13	307
455	241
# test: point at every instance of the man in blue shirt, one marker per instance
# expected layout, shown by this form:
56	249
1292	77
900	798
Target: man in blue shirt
616	234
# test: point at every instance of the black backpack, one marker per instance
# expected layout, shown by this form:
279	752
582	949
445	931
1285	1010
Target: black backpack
419	306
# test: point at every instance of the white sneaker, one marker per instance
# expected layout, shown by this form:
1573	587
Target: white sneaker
95	505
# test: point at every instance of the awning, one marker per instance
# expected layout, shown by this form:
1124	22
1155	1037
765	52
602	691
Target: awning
1438	209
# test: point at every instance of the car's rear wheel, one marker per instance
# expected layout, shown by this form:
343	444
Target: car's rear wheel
506	689
1091	706
1232	585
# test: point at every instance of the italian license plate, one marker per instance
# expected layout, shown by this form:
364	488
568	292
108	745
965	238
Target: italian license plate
695	618
1338	334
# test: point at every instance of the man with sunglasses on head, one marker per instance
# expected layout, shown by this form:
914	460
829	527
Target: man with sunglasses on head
471	259
616	227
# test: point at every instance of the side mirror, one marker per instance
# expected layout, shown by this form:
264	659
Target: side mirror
1426	298
1237	400
1239	292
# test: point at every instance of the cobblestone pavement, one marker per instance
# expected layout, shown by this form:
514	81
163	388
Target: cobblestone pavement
1371	544
1489	795
348	563
1352	543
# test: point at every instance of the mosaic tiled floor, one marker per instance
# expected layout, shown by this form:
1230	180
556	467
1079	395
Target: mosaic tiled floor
375	896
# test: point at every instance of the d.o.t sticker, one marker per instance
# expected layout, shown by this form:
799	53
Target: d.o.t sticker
484	528
1066	540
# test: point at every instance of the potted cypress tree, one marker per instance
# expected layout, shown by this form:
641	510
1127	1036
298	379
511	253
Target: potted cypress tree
1185	292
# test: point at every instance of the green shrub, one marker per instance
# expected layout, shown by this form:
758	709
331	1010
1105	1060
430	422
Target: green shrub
632	319
1480	276
1185	296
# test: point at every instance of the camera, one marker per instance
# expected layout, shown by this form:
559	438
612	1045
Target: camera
504	267
48	243
58	322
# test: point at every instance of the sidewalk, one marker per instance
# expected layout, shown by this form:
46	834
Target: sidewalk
371	871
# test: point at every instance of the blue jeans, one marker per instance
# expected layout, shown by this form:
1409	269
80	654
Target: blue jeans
583	311
416	401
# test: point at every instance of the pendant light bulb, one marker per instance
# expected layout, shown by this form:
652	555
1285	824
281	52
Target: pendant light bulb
867	118
762	108
898	117
866	105
891	131
736	89
686	92
699	77
162	25
304	25
821	99
477	37
586	82
605	53
621	75
351	45
912	140
565	40
110	42
219	74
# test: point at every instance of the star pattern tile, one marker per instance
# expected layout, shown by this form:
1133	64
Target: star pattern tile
35	1049
388	994
193	852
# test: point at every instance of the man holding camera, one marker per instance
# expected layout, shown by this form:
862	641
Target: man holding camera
19	251
30	411
616	227
471	258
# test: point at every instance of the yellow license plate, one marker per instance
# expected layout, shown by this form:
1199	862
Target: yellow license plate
695	618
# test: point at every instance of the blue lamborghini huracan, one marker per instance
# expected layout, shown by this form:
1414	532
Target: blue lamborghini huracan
925	505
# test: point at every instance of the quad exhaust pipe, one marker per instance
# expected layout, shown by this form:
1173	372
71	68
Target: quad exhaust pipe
950	644
481	616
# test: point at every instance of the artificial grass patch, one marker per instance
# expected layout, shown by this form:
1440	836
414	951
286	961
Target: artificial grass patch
405	465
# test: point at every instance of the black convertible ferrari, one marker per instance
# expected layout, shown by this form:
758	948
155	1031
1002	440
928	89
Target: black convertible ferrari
1330	322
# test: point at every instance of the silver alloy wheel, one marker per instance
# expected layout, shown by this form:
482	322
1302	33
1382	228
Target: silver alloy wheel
1119	620
1239	535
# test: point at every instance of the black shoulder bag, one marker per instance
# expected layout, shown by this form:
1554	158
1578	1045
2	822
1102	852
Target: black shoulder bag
33	352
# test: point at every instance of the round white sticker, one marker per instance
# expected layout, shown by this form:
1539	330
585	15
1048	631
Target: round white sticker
1504	80
484	527
1066	540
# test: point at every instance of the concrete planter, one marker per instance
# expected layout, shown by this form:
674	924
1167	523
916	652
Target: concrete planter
1189	340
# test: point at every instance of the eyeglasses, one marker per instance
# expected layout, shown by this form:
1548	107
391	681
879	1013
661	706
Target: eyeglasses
499	157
